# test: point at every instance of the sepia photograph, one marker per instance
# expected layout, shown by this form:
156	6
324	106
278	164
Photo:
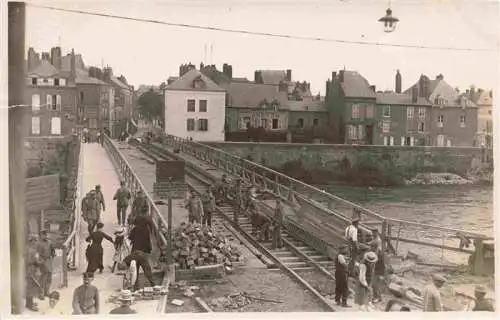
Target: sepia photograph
230	156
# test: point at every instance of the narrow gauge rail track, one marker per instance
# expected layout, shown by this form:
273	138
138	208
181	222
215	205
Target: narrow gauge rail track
295	258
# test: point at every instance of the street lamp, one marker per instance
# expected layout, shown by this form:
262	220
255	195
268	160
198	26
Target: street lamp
389	21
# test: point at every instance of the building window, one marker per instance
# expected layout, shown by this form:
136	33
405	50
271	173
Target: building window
35	102
35	125
275	124
409	112
190	124
245	124
440	120
421	112
369	111
45	80
34	81
80	111
93	123
81	96
315	122
462	121
191	105
388	141
62	82
387	111
263	123
353	132
386	127
202	124
355	111
56	81
57	100
55	125
421	127
203	105
440	140
301	123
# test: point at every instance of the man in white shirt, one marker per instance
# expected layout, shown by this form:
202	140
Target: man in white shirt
432	296
351	235
364	280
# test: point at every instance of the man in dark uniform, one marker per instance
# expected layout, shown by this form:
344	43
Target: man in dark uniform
277	224
86	296
47	253
122	197
264	225
140	205
208	201
90	207
33	262
341	277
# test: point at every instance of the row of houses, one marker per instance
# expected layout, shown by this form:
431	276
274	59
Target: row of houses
209	105
64	94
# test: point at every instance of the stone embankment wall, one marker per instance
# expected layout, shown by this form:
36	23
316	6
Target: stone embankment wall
386	165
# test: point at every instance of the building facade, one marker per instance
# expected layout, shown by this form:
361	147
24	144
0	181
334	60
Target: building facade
484	101
453	115
50	95
195	108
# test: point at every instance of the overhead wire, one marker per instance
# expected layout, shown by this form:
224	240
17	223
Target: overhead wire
263	34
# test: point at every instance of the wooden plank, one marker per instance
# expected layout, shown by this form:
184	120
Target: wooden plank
42	192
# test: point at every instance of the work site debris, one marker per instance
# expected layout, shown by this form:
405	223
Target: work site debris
237	301
195	245
177	302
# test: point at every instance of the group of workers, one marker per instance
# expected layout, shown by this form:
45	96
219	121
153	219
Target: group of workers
367	263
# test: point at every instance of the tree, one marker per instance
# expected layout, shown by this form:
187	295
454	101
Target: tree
151	105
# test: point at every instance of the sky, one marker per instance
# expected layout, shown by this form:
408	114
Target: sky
147	53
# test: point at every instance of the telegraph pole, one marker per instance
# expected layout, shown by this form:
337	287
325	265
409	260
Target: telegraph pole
17	128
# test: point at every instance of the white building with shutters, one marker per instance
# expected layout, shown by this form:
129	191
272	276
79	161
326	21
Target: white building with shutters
195	108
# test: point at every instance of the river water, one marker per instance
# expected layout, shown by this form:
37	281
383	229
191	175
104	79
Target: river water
461	207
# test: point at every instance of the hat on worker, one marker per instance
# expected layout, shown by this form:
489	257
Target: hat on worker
437	277
480	289
54	295
120	231
370	257
125	295
88	275
355	219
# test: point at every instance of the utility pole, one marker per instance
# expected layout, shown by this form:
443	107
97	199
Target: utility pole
170	259
17	128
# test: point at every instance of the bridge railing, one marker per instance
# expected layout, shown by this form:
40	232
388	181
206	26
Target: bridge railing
332	212
132	181
71	244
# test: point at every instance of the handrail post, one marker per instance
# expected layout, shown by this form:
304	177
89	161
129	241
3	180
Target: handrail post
65	266
384	236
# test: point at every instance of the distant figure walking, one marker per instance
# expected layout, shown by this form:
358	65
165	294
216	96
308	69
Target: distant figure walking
122	249
100	199
86	296
90	207
208	207
95	251
195	208
139	207
122	197
47	253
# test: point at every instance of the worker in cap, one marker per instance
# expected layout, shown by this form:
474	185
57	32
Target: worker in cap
341	276
481	303
33	263
122	197
125	299
364	279
351	235
86	296
47	253
100	199
432	296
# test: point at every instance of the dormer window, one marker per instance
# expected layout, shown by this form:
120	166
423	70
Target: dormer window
198	83
56	81
34	81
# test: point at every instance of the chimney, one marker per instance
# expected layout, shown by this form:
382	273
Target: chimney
398	82
341	76
46	56
334	75
414	94
308	86
201	66
258	77
72	71
108	73
327	87
227	70
472	91
31	59
92	72
98	73
373	88
55	57
440	77
37	58
289	75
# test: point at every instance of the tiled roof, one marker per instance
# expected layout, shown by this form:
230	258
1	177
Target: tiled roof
356	86
273	77
483	98
82	77
313	106
240	80
248	95
186	82
44	69
399	98
117	82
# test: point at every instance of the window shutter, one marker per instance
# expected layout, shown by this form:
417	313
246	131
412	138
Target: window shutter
35	102
49	101
392	141
402	141
35	125
412	141
385	140
58	101
199	124
206	124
